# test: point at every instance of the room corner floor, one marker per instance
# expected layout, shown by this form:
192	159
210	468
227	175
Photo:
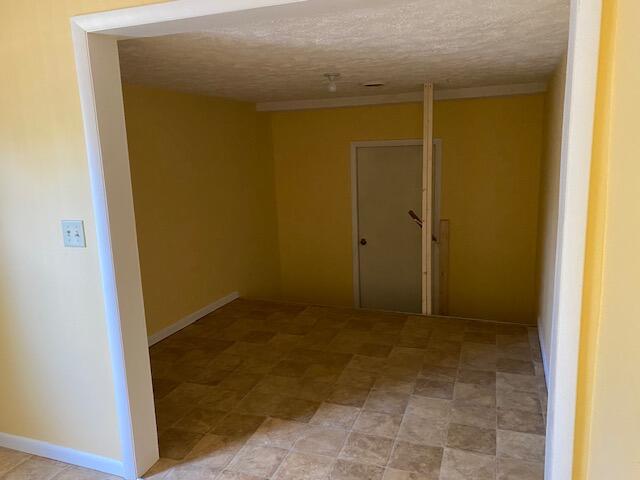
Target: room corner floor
262	390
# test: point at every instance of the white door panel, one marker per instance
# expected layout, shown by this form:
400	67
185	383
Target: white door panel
389	182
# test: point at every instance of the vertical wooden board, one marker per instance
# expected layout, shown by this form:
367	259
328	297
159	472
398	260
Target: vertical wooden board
427	197
444	267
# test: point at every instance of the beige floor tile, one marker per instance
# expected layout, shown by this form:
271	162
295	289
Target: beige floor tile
468	394
10	458
425	407
220	399
276	432
463	465
509	365
313	391
524	401
258	403
472	439
77	473
191	471
367	449
231	475
296	409
387	383
428	387
521	421
442	358
332	415
305	466
474	415
424	431
374	350
176	443
446	374
509	469
348	470
367	364
395	474
160	469
214	451
414	458
348	395
240	382
258	460
386	402
520	446
199	420
321	440
238	425
357	378
380	424
516	383
478	357
35	468
480	337
477	377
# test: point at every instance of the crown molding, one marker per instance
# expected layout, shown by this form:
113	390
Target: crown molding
448	94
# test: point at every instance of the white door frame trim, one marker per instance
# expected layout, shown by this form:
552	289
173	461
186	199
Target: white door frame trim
575	169
94	40
355	235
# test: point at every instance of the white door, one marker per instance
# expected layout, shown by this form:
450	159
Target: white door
389	185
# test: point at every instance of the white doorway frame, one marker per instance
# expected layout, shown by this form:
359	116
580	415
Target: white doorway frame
95	43
355	234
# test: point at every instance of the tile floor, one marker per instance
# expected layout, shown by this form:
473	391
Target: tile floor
21	466
261	390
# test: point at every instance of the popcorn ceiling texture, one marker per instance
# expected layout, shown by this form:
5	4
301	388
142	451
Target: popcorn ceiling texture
454	43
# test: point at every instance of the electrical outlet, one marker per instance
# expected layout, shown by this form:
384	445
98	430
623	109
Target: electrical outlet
73	233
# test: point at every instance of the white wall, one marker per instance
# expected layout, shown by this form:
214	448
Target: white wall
548	213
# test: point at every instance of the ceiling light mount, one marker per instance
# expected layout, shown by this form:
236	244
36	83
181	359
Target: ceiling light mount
331	81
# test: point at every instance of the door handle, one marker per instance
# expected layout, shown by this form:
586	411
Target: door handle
415	218
363	241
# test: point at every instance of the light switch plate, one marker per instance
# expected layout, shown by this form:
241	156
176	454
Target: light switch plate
73	233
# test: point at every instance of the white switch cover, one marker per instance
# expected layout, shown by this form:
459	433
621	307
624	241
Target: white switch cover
73	233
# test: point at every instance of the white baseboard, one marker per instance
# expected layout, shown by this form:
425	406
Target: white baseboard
62	454
189	319
545	358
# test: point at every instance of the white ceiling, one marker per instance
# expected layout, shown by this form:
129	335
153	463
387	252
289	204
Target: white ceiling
282	54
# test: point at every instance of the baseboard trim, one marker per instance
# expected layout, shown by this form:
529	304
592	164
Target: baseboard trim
189	319
545	359
62	454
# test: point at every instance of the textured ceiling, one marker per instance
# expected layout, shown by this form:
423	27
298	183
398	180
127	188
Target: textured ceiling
454	43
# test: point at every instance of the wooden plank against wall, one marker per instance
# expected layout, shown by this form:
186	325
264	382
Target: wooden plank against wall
443	241
427	197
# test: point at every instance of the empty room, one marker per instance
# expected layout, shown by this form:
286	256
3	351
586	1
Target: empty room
328	240
277	171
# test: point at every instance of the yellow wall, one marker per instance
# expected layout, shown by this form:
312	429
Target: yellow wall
548	211
312	165
491	153
55	377
608	410
490	183
203	186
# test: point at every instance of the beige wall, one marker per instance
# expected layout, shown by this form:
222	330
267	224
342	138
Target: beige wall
492	150
202	177
548	213
608	409
55	374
